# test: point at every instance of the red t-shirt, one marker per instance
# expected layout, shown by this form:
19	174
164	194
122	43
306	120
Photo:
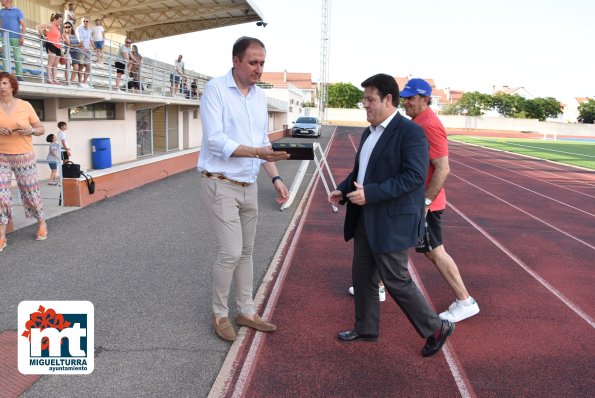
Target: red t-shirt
438	148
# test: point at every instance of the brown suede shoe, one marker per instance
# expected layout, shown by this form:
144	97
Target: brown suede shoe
257	323
224	329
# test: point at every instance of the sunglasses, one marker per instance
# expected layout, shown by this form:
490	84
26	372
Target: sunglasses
67	26
85	21
128	42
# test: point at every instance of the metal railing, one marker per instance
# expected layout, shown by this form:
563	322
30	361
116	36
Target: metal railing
152	79
48	192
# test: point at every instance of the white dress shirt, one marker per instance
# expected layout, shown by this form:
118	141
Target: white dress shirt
84	35
368	147
230	119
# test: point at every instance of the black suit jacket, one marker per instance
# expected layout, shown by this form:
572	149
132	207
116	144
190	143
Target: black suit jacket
394	186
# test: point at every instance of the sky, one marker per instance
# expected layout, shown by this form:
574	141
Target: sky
544	46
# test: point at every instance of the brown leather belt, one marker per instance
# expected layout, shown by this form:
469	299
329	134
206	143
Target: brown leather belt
221	177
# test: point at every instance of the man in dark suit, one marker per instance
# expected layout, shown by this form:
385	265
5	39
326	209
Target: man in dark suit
385	202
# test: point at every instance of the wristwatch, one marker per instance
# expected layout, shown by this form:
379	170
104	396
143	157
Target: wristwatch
427	202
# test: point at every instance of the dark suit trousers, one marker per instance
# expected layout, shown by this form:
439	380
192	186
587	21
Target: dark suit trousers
368	269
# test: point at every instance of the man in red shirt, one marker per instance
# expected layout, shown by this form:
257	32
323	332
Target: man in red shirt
416	100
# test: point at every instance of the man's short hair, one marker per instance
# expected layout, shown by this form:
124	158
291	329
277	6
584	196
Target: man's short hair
241	44
385	84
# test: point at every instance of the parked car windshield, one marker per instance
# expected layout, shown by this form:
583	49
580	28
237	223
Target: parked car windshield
310	120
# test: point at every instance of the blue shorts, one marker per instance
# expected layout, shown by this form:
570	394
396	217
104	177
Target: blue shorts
53	165
74	56
98	44
174	78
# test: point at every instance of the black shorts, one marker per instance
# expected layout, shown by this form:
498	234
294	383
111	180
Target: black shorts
64	155
434	233
434	220
120	66
51	49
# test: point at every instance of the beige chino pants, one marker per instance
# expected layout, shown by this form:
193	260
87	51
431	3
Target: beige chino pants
233	213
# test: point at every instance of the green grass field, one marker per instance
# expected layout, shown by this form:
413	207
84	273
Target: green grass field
577	153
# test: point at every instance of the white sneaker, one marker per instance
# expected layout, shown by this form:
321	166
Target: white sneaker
381	293
458	311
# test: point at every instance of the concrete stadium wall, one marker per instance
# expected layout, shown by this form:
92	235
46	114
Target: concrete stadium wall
357	117
510	124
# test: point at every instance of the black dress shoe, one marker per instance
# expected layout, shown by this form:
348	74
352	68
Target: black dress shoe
433	344
352	335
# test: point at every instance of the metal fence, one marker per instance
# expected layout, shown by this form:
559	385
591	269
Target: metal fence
154	77
53	193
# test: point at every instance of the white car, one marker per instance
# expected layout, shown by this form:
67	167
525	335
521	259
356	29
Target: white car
306	126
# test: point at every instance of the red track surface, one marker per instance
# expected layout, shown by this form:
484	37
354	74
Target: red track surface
522	232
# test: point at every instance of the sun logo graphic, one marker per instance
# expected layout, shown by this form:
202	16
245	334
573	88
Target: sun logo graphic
56	337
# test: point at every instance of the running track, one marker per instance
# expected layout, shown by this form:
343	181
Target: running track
523	234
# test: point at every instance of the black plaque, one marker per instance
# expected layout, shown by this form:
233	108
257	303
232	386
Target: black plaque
297	150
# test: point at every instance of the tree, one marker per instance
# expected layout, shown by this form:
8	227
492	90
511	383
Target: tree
450	109
343	95
542	108
508	105
586	111
474	104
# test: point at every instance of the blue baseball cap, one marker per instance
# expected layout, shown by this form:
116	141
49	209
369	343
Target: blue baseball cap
416	87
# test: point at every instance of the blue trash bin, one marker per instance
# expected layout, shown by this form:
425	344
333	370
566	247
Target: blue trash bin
101	153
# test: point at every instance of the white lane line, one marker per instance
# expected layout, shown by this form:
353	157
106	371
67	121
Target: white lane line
251	359
527	189
553	165
465	150
528	269
456	369
535	147
527	213
353	144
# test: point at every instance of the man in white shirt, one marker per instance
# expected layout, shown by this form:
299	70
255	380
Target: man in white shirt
84	35
97	34
177	76
69	15
234	146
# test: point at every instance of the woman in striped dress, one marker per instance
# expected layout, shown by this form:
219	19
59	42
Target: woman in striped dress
19	123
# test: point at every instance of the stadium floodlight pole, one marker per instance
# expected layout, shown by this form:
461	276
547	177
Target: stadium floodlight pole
324	59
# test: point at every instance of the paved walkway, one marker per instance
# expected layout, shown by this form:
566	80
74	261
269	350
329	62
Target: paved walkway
144	259
51	205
